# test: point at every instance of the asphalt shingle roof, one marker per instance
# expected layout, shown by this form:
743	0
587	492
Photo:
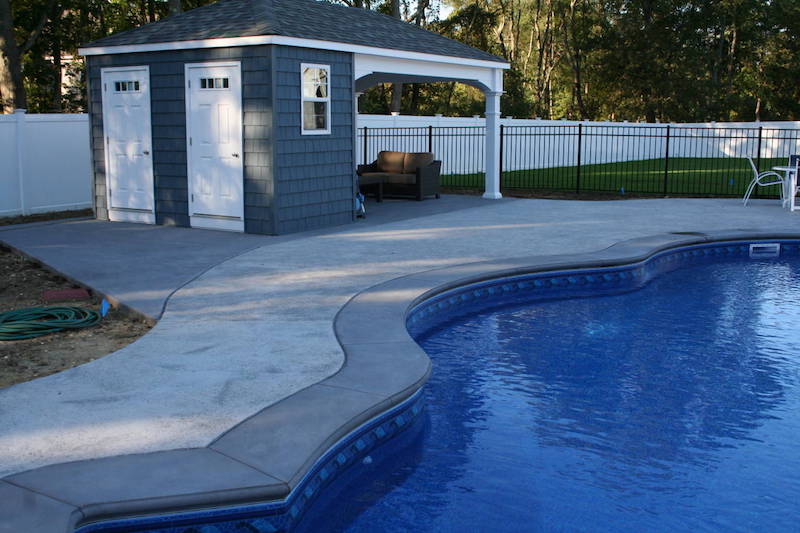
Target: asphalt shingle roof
307	19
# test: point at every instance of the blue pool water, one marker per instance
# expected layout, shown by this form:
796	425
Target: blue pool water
674	407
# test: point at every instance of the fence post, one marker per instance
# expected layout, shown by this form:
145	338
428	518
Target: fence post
666	162
20	132
578	172
365	146
430	139
500	163
758	154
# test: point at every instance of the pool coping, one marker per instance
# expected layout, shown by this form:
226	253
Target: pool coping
266	456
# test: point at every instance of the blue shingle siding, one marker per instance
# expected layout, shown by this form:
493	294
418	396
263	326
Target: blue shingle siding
168	119
313	173
292	182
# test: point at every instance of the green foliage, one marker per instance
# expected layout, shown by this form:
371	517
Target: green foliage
667	60
68	24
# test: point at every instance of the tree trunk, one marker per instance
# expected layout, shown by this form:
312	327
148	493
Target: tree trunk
102	20
175	7
56	106
414	99
12	91
448	103
649	113
397	97
419	16
386	103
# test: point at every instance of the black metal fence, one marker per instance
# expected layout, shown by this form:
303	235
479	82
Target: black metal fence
624	159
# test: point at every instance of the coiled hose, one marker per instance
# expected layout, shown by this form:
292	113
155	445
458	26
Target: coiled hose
37	321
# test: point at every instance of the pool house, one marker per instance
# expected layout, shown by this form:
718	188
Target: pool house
241	115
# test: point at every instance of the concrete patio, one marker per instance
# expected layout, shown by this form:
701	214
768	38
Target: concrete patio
254	322
141	266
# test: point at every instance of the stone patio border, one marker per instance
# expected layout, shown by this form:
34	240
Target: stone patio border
267	456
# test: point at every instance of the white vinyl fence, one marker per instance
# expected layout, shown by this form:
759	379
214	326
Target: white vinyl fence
45	163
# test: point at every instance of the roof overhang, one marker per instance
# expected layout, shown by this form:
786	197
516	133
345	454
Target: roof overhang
290	41
371	69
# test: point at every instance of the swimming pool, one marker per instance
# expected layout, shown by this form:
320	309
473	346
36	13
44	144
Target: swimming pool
657	396
520	440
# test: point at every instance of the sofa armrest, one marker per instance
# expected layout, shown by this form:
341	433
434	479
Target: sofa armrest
430	172
372	167
428	180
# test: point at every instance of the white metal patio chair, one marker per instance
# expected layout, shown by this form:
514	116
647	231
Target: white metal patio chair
762	179
794	161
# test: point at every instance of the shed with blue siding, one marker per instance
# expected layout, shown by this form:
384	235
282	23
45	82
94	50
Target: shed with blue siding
240	115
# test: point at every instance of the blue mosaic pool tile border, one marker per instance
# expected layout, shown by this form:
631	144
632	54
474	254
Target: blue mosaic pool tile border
283	515
529	288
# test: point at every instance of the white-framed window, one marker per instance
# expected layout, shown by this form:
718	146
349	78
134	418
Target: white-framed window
126	86
214	83
315	99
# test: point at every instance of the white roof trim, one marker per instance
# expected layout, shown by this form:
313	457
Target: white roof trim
287	41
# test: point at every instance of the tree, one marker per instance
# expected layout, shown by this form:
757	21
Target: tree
668	60
12	88
12	91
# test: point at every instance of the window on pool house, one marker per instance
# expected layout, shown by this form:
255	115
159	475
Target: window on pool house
316	99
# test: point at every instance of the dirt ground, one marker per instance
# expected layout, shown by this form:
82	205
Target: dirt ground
27	219
21	284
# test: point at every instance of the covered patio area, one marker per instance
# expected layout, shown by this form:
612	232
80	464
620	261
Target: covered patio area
487	76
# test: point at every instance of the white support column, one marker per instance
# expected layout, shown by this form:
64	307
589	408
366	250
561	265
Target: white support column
493	145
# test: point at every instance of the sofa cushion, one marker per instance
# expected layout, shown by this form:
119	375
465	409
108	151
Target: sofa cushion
401	179
373	177
369	178
412	161
391	162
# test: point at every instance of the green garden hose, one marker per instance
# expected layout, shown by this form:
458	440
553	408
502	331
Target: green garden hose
38	321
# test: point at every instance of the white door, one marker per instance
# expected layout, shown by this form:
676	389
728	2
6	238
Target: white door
126	125
215	159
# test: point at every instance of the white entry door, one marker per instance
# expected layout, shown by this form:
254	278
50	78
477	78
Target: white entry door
214	145
126	126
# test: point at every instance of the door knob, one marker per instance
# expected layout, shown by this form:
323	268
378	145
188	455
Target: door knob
146	152
235	155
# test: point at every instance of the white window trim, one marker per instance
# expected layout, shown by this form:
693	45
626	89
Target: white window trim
327	100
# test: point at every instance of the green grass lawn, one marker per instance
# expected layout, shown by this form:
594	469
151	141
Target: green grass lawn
685	176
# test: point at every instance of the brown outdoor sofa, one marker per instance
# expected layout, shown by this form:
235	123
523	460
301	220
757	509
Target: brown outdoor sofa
402	174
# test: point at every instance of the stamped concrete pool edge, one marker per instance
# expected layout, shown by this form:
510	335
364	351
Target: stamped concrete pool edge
266	456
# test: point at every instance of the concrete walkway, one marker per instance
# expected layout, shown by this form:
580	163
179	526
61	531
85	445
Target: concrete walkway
136	264
258	327
142	265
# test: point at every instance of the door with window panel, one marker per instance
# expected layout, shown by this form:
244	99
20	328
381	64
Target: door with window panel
126	125
214	129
